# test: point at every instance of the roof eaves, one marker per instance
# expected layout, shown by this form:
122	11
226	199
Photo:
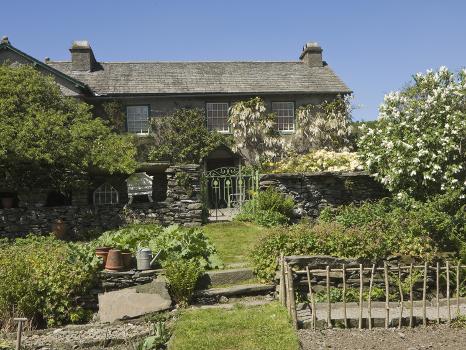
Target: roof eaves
35	61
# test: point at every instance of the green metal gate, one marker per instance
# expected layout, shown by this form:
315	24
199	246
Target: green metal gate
228	188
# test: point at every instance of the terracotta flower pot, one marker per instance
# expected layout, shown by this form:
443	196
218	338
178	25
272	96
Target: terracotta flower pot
127	260
114	260
7	202
102	252
59	229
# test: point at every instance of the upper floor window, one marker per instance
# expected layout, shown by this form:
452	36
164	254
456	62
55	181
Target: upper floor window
285	115
217	117
105	194
137	119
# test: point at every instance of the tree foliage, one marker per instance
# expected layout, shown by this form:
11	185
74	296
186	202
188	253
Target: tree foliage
325	126
418	146
49	139
254	133
183	137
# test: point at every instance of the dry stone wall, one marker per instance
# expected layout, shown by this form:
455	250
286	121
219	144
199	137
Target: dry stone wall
182	206
312	192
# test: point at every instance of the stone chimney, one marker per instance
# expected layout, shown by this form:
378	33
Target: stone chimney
82	57
312	55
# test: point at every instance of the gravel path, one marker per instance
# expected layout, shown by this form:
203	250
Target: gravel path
432	337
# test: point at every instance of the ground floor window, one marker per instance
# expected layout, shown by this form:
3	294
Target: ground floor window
105	194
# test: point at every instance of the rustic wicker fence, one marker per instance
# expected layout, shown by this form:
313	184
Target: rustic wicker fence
287	290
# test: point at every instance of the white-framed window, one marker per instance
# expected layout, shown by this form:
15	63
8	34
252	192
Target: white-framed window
217	117
285	115
137	119
105	194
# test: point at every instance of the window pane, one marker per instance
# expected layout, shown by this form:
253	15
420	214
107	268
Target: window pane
105	194
137	118
285	115
217	117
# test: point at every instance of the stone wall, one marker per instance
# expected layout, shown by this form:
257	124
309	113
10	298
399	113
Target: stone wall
182	206
312	192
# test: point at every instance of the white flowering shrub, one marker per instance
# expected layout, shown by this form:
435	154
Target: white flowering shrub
315	161
254	133
419	145
324	126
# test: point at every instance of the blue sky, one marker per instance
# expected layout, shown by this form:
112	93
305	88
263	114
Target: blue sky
375	46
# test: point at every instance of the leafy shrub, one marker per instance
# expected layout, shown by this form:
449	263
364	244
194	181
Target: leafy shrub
371	231
315	161
266	218
268	208
182	277
42	279
129	237
183	137
177	242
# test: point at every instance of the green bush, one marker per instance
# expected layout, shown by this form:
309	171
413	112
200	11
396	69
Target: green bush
183	137
41	279
268	208
129	237
182	277
372	231
177	242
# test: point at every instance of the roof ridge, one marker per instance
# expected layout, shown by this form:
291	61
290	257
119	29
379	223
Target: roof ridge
151	62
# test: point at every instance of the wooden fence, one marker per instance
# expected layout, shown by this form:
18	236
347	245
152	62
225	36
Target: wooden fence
287	290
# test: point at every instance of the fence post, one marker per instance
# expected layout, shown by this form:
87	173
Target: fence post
458	289
424	292
400	320
313	303
329	306
411	302
20	331
369	302
294	316
344	296
438	291
448	291
282	289
387	288
360	294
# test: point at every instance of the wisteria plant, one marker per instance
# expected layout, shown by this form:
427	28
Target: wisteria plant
254	133
419	145
324	126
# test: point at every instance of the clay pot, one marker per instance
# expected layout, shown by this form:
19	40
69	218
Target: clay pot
59	229
7	202
102	252
127	260
114	260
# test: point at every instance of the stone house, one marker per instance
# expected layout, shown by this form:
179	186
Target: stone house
152	89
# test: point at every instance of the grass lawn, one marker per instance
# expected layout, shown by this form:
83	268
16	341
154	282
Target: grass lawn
233	240
242	328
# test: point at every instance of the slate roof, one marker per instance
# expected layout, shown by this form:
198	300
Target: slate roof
206	78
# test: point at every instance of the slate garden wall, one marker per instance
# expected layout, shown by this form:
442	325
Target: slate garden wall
312	192
182	206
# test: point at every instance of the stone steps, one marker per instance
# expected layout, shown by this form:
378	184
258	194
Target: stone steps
223	277
235	291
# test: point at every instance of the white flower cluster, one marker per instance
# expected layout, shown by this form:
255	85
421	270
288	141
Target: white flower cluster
419	144
315	161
